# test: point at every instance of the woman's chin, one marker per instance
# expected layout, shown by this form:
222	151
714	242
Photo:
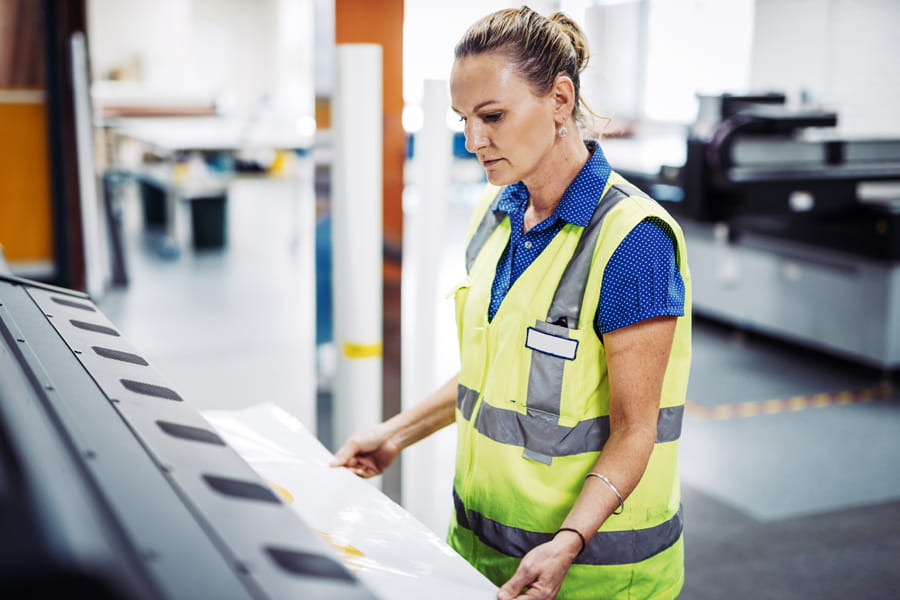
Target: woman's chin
498	177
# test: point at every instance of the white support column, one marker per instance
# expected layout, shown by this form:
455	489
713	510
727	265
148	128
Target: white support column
357	238
427	466
301	176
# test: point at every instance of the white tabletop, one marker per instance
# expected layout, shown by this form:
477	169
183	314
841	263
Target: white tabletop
214	133
645	154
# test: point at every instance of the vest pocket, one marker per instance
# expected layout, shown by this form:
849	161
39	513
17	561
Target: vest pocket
460	293
552	349
471	336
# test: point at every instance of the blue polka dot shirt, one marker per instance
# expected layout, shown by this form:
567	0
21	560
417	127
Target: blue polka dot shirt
641	279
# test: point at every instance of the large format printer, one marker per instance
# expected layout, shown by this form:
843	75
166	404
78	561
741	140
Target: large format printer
791	230
112	487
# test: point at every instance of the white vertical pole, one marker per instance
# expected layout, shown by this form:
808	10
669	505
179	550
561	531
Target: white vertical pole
95	241
428	466
357	238
303	247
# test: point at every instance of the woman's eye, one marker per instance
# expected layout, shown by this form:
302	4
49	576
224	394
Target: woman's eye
493	117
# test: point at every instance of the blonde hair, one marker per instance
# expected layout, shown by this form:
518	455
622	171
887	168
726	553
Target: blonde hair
540	48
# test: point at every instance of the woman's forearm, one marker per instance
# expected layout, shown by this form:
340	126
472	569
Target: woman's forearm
434	412
637	357
623	461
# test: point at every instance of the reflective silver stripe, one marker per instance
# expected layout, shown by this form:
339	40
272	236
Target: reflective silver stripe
668	424
485	228
465	401
566	306
605	548
546	373
541	433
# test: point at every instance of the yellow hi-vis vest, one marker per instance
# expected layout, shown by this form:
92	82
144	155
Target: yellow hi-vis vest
533	409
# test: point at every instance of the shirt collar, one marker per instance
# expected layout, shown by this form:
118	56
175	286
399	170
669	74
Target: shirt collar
593	175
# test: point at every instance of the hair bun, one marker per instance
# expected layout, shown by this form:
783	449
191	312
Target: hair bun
576	35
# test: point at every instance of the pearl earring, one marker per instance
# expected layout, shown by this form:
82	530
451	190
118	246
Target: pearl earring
563	131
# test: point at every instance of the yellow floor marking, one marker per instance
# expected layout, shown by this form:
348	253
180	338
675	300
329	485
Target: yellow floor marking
775	406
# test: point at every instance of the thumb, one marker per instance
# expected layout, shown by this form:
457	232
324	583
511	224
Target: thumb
344	455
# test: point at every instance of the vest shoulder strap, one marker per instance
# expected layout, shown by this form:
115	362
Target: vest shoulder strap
565	309
483	231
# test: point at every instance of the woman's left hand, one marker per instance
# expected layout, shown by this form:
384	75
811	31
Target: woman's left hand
541	571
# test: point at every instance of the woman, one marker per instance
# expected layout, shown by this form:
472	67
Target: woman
574	338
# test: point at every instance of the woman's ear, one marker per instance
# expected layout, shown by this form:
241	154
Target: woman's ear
563	98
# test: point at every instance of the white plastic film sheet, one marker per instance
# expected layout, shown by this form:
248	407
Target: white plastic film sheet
389	550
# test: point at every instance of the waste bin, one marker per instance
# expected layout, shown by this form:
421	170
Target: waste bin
153	200
208	220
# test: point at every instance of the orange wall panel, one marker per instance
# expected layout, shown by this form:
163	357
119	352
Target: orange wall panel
368	22
26	231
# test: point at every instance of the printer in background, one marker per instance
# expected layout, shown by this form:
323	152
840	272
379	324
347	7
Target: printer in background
792	230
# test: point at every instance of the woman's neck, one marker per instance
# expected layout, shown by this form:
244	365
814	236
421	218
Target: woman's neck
544	194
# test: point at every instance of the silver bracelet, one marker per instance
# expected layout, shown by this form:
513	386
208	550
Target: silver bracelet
612	487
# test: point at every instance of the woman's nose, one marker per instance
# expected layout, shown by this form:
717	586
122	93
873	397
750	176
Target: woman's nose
475	138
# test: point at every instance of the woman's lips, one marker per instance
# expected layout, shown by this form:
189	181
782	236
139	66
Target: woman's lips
490	163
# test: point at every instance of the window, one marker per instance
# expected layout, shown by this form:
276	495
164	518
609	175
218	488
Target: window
694	46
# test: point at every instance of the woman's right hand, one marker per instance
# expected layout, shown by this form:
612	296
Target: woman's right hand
367	453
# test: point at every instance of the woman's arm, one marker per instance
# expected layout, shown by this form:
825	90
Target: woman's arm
637	357
370	452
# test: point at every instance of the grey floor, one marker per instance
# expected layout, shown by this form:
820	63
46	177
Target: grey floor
791	459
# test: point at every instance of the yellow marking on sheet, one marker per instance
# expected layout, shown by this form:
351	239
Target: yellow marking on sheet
286	496
350	555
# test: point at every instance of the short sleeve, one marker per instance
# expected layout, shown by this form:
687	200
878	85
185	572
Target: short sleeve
641	280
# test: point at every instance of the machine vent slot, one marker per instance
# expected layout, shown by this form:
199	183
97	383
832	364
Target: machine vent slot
241	489
195	434
148	389
119	355
313	565
73	304
94	327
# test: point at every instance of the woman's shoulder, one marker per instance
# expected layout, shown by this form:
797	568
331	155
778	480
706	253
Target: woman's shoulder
640	201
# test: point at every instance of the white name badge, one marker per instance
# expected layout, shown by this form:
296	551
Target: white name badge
551	344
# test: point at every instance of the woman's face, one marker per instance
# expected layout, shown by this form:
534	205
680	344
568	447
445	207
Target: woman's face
507	126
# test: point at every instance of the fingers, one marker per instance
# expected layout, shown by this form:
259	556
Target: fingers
519	580
540	572
364	469
532	593
349	457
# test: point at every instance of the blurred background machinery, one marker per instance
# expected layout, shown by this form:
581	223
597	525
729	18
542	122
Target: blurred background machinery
793	230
